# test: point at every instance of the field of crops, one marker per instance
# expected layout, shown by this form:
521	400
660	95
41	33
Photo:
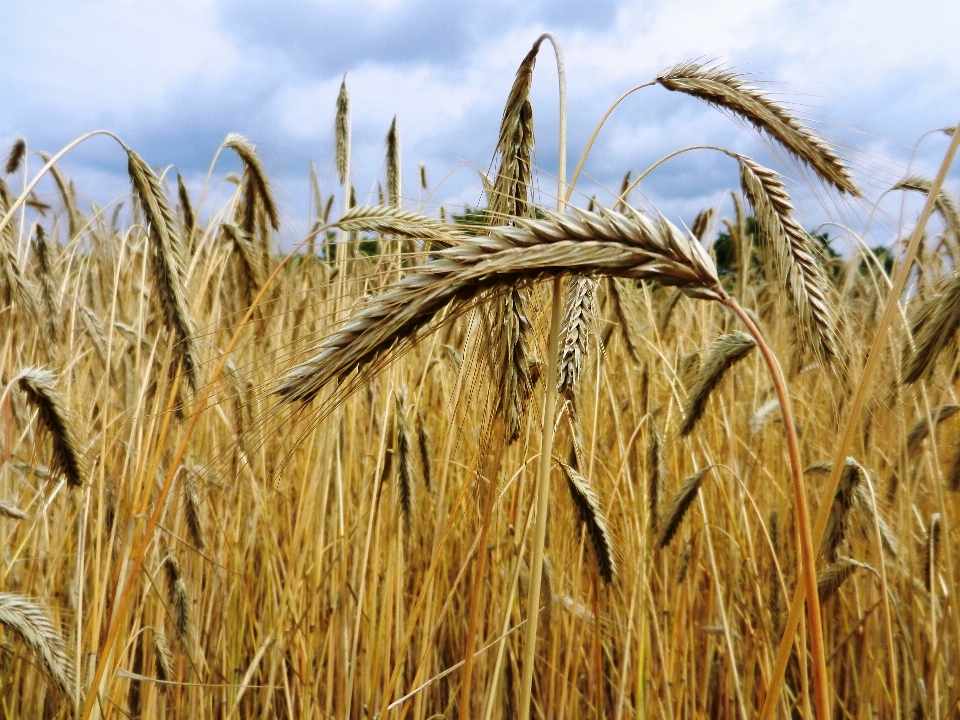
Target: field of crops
508	461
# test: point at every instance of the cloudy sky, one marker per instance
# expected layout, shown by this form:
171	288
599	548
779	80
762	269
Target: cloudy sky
174	77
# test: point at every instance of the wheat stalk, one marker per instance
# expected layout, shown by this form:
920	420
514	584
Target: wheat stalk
582	243
40	388
32	625
726	351
727	91
591	516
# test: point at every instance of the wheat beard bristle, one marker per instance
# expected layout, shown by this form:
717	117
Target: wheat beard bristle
583	243
681	502
591	516
725	352
39	387
33	626
727	91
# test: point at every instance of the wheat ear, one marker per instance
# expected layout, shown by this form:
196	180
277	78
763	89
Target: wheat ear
701	223
933	328
12	511
48	293
831	578
725	352
341	133
796	256
164	659
186	210
657	470
838	522
679	505
591	516
943	204
395	221
728	91
404	459
577	328
932	550
394	181
257	178
177	595
30	622
251	269
920	429
18	151
165	262
40	388
583	243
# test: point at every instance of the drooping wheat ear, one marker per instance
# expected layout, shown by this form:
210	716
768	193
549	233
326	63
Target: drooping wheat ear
12	511
17	152
591	516
702	223
838	521
394	184
252	271
679	505
514	362
932	551
933	328
191	508
727	91
623	299
395	221
725	352
405	468
164	659
31	624
177	595
944	204
920	429
796	257
48	293
166	263
657	470
341	133
255	176
67	195
578	326
39	386
186	210
864	504
831	578
425	443
584	243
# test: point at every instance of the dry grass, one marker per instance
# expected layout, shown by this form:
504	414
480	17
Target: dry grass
319	548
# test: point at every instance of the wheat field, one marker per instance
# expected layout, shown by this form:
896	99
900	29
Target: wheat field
523	461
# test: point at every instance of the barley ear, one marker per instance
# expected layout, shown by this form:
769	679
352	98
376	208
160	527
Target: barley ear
679	505
591	516
725	352
31	624
40	389
727	91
